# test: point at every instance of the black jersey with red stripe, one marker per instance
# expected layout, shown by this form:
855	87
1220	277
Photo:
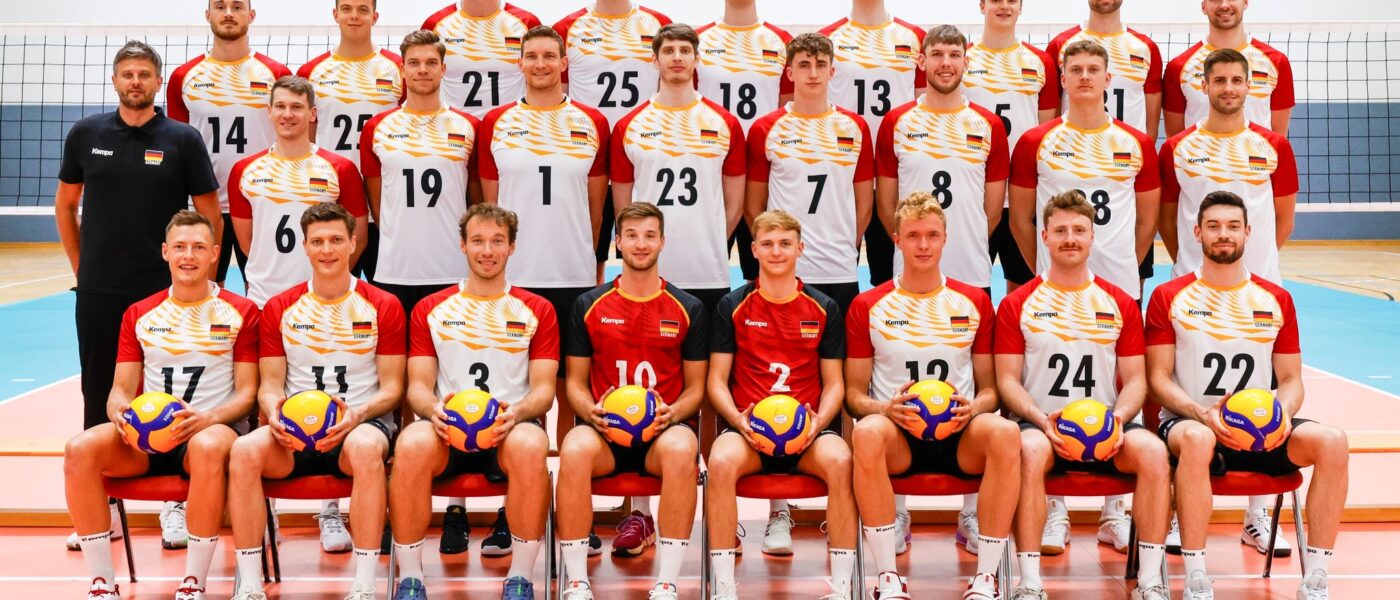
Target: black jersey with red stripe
778	343
637	340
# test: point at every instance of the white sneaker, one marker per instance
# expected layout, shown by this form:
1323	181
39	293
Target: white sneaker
1113	531
173	534
1055	537
258	595
966	535
1256	533
189	590
723	591
1156	592
116	531
1173	542
777	537
663	591
1198	587
842	592
1314	587
903	534
334	536
578	590
99	590
982	587
889	586
360	592
1023	593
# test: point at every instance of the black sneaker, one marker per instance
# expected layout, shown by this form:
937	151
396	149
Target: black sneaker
454	531
595	544
498	543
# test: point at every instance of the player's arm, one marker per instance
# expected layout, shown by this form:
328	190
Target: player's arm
857	377
985	378
692	391
1161	362
1289	370
717	387
374	190
576	384
272	381
490	190
540	397
1284	209
755	200
125	383
833	393
474	189
243	232
1174	122
391	369
1278	120
622	196
1013	394
1153	114
422	385
887	199
992	198
1145	227
65	209
1022	215
865	206
597	194
1166	225
733	202
1132	372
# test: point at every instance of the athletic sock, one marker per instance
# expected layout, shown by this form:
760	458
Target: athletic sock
843	563
1030	569
1316	559
462	502
366	561
1193	560
1113	506
642	504
989	551
1256	504
575	555
97	553
777	505
410	557
670	553
249	569
900	503
200	554
969	506
722	561
882	543
522	556
1150	558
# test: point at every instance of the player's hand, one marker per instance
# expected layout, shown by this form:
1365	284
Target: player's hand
1057	443
664	414
350	418
744	428
598	417
1118	445
505	421
1287	429
194	422
118	415
438	417
1217	424
279	429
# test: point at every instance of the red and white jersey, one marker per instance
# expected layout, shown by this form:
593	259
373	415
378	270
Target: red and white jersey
541	158
911	336
1254	163
811	164
333	345
952	155
1071	339
742	68
188	350
349	92
638	341
610	58
423	162
1134	62
273	191
227	102
876	66
482	56
778	343
484	343
1110	165
1270	82
1225	339
677	158
1014	83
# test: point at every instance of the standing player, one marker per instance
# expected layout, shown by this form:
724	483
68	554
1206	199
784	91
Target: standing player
638	329
1210	334
1270	100
195	341
776	336
1017	82
485	334
343	336
815	159
1072	334
269	190
483	47
224	94
1134	96
925	325
877	69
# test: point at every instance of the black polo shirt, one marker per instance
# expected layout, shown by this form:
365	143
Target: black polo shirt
134	179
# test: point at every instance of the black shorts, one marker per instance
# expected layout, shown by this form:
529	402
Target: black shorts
1272	462
1104	467
843	293
1145	269
228	249
787	465
1003	244
310	462
364	269
605	230
168	463
485	462
634	460
742	242
940	456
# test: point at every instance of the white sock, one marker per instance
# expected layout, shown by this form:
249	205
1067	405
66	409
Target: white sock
989	550
1114	506
249	569
722	561
366	562
1030	569
522	556
1316	559
777	505
670	553
1258	503
882	543
575	554
462	502
1193	560
1055	504
97	553
200	553
900	504
410	557
642	504
969	506
843	563
1150	558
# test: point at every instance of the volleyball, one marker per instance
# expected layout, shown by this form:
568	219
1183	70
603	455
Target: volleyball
781	425
1254	418
149	421
631	415
1089	430
935	405
471	420
307	415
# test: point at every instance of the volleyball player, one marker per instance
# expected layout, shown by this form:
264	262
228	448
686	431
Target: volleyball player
925	325
483	48
1070	333
638	329
1270	101
343	336
485	334
1210	334
224	94
195	341
1134	96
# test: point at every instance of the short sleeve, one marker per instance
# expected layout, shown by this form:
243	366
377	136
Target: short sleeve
886	161
982	343
620	167
999	157
858	344
1130	337
600	160
722	334
1153	85
1159	329
1050	92
70	170
1148	177
833	342
246	348
1025	170
1166	168
1009	338
544	345
734	161
128	347
1287	340
578	343
865	163
369	161
1285	177
485	158
696	345
1282	98
758	164
352	191
1173	98
270	329
238	205
392	338
420	335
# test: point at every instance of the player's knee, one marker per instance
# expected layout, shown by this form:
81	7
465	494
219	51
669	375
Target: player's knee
1151	456
1001	437
246	454
416	442
723	464
212	445
1035	449
1332	444
1197	444
679	445
837	464
868	438
526	447
81	453
364	451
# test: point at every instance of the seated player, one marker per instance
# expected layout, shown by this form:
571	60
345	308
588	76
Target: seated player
199	343
1065	335
1215	332
457	344
345	337
641	330
776	336
923	325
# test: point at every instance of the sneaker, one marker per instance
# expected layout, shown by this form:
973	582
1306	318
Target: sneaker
577	590
1174	538
888	586
173	534
595	545
837	592
189	590
361	592
454	531
904	534
724	591
116	531
1314	587
739	540
966	535
1198	587
258	595
518	588
982	587
634	534
99	590
1156	592
777	536
334	537
1113	531
1055	536
411	588
1024	593
663	591
1256	533
498	542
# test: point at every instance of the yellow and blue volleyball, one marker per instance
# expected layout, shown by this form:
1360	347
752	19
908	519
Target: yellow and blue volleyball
471	420
781	425
1254	418
149	421
631	415
1089	430
935	406
306	416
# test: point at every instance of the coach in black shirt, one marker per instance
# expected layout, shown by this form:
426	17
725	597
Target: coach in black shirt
132	170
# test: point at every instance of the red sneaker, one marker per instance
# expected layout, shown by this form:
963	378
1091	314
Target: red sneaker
634	534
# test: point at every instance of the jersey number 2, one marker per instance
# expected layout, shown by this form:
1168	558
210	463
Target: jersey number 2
1083	376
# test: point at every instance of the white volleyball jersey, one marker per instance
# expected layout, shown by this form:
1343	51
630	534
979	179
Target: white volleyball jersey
1134	62
349	92
484	343
876	68
483	56
610	58
1270	83
1014	83
741	68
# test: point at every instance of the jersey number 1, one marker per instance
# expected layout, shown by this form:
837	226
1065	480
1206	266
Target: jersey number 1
235	138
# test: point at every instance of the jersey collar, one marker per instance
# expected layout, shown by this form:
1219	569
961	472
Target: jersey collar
311	288
942	285
617	285
213	293
801	287
148	128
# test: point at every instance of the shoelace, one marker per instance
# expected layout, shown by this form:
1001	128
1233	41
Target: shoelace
577	592
331	523
103	594
781	517
659	592
1157	592
633	524
1057	523
741	531
516	588
172	518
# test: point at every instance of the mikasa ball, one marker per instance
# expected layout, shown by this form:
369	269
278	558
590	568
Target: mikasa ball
149	421
935	405
307	415
1254	418
781	424
631	415
471	420
1089	430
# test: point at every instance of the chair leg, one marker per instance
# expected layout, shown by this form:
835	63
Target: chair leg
1004	571
1273	536
549	539
272	542
1301	534
393	566
858	578
126	539
706	570
1131	564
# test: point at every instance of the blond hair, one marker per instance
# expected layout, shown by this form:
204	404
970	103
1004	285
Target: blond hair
917	206
776	219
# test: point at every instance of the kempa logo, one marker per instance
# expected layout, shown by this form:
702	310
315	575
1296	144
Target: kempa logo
1062	153
303	327
329	82
916	136
1198	161
714	51
158	330
847	47
591	40
263	180
517	132
790	142
752	323
398	136
453	40
650	134
447	323
1199	313
101	152
896	322
203	85
1045	315
977	71
612	321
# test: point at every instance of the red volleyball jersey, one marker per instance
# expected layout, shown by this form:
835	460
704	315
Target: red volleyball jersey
778	343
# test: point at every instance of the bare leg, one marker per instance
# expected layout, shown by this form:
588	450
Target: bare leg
991	448
1325	449
89	456
1037	458
522	459
582	456
206	460
419	455
878	449
253	457
1144	455
362	458
731	457
1194	446
672	457
829	458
